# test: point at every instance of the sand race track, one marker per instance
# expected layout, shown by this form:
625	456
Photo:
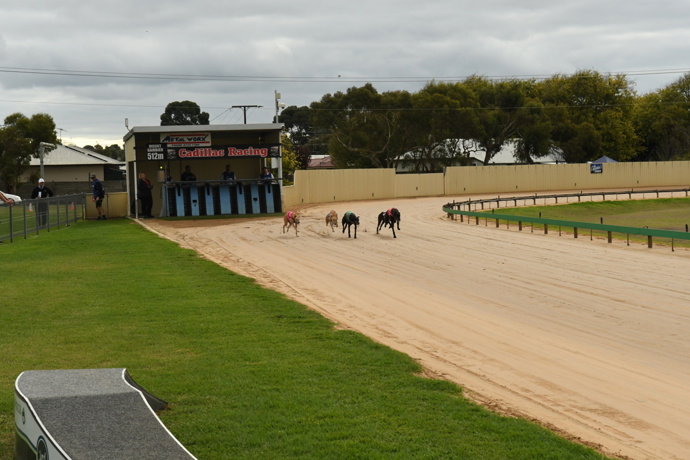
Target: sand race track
588	338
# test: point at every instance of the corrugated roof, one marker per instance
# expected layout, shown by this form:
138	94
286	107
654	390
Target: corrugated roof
65	155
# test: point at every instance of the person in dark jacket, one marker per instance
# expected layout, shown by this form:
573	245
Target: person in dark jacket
187	174
98	195
144	188
39	192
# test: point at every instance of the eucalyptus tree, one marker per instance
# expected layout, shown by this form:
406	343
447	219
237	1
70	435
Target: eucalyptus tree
504	112
591	115
20	139
363	127
184	113
662	120
438	125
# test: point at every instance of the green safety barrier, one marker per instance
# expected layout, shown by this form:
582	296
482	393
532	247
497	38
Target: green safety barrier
648	232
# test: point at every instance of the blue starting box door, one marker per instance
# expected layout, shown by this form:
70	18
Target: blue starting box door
208	194
179	201
241	208
256	204
270	208
194	200
224	198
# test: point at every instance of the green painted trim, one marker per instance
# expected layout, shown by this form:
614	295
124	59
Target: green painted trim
568	223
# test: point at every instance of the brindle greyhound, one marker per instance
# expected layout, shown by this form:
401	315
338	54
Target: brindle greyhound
291	219
389	218
332	219
349	219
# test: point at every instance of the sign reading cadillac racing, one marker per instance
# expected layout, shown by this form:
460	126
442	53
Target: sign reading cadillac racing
232	151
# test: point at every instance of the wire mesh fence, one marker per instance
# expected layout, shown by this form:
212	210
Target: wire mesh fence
40	215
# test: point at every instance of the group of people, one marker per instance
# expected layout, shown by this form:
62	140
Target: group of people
227	175
144	192
42	191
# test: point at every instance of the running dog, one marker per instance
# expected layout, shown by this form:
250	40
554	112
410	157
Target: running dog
332	219
389	218
349	219
291	219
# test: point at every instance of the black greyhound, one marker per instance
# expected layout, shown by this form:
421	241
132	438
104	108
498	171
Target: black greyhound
349	218
390	218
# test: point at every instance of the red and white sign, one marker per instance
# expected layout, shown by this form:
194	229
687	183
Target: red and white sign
187	139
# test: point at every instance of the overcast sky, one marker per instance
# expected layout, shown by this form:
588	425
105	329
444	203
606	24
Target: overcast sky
75	59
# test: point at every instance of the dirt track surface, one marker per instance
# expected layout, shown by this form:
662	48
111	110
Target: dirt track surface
588	338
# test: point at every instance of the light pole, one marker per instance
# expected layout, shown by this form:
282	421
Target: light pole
279	105
41	152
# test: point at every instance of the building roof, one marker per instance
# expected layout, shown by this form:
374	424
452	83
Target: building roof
203	128
68	155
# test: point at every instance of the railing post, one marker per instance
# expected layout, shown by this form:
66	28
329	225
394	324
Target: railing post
649	241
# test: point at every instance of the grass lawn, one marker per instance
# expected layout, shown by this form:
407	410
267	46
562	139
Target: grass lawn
664	214
248	372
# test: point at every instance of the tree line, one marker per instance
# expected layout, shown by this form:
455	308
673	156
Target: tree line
20	140
573	118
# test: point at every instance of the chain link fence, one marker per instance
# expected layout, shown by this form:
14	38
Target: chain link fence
40	215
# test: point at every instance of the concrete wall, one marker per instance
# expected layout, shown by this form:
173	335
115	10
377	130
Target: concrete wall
321	186
539	178
114	205
334	185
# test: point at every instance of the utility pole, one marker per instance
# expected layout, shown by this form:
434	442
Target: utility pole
244	109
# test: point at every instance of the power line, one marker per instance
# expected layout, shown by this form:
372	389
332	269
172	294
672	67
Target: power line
309	79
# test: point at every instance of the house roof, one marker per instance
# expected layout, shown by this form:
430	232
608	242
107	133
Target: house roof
320	162
67	155
604	159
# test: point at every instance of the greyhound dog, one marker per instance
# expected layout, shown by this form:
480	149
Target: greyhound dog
291	219
389	218
332	219
349	219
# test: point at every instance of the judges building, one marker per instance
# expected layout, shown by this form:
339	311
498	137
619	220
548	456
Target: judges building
186	166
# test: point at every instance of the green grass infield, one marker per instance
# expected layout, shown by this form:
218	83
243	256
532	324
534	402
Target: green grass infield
248	373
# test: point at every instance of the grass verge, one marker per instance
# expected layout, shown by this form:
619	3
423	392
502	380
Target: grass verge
664	214
248	372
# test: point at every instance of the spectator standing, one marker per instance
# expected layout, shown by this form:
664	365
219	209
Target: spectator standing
266	175
98	195
39	192
188	175
144	188
228	174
